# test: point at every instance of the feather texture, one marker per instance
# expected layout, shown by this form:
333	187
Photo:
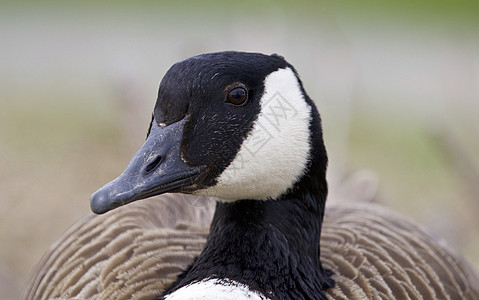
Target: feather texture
138	250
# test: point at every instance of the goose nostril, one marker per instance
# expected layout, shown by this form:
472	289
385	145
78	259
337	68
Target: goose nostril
154	164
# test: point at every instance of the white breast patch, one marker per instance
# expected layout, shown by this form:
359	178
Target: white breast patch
215	289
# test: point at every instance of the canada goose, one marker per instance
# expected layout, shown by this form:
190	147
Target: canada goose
216	132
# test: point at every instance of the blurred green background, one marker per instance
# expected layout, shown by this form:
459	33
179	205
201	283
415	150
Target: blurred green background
396	82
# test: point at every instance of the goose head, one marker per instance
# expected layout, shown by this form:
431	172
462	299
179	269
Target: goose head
230	125
239	127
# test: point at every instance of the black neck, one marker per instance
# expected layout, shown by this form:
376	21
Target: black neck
272	246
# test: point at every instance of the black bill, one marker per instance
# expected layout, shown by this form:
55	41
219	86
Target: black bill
155	169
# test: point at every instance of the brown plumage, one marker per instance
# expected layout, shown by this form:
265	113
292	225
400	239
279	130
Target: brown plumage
138	250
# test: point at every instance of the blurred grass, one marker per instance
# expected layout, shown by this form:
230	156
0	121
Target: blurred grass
419	175
79	80
51	125
410	8
48	147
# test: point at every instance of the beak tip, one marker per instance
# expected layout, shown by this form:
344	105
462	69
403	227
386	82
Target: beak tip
99	203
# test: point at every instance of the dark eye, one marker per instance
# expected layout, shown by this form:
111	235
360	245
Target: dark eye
237	96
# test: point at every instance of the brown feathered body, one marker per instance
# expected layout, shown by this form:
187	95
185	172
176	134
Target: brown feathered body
136	251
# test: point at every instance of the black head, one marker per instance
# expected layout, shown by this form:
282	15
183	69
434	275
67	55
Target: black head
231	125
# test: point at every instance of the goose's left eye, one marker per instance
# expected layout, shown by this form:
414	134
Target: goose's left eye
237	96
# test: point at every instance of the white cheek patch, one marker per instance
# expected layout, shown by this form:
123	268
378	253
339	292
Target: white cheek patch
275	154
215	289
